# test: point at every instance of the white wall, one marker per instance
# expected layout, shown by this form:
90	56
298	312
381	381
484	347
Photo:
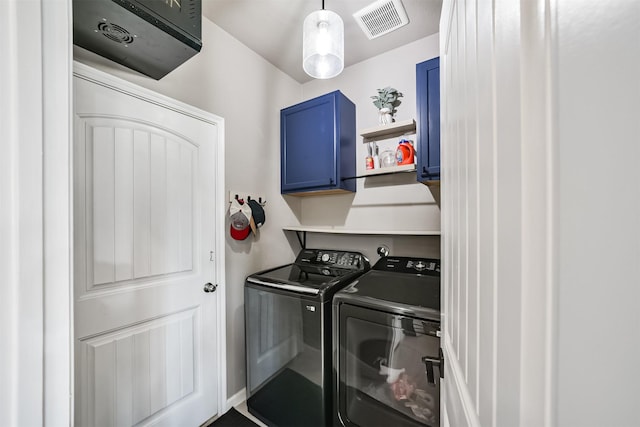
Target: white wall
231	81
396	202
597	147
540	206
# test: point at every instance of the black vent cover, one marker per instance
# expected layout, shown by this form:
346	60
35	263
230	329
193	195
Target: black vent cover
152	37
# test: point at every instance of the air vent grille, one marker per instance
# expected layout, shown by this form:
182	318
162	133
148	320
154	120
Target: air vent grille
115	32
381	17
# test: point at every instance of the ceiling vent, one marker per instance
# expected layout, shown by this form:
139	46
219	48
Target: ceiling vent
381	17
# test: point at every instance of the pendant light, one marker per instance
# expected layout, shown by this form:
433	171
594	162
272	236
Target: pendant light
323	44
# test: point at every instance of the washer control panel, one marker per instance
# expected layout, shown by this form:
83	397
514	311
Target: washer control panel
331	258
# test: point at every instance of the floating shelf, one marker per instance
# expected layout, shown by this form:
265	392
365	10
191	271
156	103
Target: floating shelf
390	170
405	127
301	232
342	230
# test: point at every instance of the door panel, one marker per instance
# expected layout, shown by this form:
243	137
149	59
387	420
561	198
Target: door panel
144	229
140	370
140	184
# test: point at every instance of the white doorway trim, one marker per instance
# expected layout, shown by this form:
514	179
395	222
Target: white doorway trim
104	79
57	41
35	269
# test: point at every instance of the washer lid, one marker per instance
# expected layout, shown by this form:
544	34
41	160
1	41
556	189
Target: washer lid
392	291
318	280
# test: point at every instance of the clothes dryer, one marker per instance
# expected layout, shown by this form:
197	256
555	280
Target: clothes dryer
387	357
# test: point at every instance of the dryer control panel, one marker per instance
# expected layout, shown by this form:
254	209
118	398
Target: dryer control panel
407	265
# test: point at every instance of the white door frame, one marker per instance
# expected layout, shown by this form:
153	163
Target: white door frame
35	213
107	80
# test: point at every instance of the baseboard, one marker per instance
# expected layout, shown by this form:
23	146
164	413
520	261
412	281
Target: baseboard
236	399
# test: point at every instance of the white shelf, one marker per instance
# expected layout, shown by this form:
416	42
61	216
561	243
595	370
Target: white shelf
405	127
390	169
342	230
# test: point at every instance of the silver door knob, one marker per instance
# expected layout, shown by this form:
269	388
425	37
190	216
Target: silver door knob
210	287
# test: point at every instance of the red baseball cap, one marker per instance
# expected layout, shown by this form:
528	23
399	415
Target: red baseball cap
239	218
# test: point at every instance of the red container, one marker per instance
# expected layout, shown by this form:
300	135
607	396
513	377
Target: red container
405	153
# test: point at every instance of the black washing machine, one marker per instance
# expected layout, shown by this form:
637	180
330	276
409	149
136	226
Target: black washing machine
387	356
288	336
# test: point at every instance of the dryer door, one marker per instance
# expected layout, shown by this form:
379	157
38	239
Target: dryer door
388	369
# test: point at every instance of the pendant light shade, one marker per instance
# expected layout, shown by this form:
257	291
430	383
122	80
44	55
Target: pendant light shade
323	44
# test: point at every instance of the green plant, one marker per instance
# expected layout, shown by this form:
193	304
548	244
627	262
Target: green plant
387	98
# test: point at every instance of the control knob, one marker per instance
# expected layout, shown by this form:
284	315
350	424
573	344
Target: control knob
420	265
325	257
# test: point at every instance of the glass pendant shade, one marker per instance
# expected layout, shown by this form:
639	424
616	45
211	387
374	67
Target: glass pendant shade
323	44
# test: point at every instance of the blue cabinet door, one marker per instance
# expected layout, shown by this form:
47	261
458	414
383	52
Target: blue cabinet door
428	110
316	141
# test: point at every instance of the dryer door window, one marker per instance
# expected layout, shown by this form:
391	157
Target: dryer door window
388	369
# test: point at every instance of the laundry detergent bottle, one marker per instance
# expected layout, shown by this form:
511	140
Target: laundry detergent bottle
405	153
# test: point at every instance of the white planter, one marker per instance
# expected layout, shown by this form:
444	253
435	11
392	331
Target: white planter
384	116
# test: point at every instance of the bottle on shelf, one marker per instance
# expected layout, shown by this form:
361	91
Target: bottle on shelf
405	152
376	157
369	158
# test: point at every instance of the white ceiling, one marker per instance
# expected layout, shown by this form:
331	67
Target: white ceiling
273	28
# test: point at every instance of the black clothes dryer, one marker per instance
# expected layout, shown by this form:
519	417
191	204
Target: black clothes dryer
387	356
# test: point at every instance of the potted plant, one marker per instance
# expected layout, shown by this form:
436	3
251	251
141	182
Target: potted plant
386	101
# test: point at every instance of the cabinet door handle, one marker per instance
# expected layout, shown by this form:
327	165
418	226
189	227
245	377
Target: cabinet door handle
426	173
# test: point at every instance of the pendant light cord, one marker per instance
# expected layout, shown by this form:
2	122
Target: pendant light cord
322	4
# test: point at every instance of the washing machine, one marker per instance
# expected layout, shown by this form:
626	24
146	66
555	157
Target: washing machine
288	336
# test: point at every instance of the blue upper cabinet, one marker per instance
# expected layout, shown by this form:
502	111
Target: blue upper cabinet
428	110
318	146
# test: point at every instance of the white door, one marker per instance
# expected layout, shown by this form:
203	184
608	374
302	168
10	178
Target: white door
145	215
